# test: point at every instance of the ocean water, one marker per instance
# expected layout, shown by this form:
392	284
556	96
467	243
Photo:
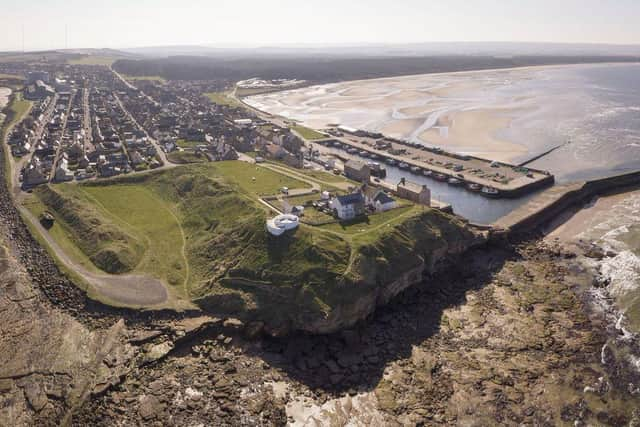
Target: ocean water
596	109
617	230
592	112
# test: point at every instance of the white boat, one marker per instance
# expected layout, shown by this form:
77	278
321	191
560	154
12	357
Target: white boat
490	192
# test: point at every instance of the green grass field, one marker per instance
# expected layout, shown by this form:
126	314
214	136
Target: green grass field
183	143
107	61
222	98
307	133
14	112
133	205
254	179
185	157
60	232
134	78
372	225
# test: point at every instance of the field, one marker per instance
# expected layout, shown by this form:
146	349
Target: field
222	98
93	60
185	157
10	77
134	78
60	232
183	143
256	180
14	112
307	133
367	229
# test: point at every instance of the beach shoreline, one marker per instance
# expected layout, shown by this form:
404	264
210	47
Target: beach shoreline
508	114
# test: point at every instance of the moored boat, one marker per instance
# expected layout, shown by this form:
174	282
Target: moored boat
474	187
490	192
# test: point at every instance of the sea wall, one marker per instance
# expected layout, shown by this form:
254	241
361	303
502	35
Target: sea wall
575	195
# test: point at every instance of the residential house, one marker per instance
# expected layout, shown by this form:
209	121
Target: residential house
415	192
378	199
358	171
349	206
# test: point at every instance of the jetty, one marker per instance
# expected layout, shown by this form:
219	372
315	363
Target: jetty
493	178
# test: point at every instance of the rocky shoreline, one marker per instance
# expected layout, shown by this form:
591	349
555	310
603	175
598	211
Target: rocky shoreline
507	337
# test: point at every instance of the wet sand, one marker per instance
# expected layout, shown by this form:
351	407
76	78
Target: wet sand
456	111
590	222
4	96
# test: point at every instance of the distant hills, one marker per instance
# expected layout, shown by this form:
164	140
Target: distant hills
408	49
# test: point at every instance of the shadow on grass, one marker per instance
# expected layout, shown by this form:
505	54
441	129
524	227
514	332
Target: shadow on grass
356	358
360	220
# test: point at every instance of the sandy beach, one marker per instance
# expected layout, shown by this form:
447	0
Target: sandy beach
4	96
457	111
509	115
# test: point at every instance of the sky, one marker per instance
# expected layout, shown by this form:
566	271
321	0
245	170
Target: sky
138	23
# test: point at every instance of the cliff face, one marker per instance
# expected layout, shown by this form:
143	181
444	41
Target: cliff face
311	279
404	257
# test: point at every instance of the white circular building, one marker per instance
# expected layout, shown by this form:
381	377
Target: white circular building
281	223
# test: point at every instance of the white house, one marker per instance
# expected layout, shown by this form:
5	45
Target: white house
62	172
349	206
383	202
377	199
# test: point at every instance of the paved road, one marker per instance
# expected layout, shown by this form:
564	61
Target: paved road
160	151
125	289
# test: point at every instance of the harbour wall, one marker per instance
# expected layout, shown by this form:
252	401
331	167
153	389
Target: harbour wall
526	219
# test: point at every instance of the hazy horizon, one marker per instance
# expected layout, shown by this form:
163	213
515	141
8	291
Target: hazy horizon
119	24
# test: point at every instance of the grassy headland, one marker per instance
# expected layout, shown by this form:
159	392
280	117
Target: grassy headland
201	229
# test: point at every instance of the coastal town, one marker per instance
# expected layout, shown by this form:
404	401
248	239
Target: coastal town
90	123
172	254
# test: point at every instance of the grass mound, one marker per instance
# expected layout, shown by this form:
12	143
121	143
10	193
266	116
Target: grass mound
108	246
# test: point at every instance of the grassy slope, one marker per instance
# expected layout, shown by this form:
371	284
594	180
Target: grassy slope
94	60
222	98
307	133
185	157
110	246
132	205
183	143
235	266
133	78
14	112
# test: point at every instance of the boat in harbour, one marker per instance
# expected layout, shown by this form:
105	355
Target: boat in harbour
490	192
474	187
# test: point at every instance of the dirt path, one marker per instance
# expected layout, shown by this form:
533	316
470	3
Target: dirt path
185	284
129	290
